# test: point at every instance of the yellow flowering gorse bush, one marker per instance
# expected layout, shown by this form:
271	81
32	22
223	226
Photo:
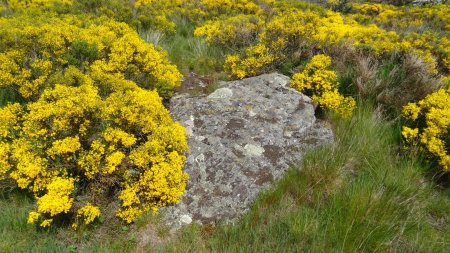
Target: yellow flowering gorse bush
428	124
230	6
232	32
289	27
425	28
320	82
288	32
88	213
92	122
158	13
25	4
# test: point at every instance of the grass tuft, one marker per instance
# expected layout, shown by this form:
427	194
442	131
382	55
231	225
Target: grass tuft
190	53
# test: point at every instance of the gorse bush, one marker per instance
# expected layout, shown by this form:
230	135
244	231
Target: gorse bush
92	124
233	32
425	29
157	14
33	49
285	33
24	4
428	124
293	30
321	84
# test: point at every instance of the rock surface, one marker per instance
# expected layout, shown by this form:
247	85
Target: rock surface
242	138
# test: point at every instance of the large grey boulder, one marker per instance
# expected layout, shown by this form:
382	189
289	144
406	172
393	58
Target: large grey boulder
242	138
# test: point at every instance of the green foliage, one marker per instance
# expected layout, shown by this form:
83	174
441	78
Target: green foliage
81	54
192	54
9	95
343	6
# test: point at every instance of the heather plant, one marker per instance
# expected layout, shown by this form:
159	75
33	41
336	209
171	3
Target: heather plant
92	124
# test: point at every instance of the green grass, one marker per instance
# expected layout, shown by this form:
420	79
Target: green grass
357	195
18	236
189	53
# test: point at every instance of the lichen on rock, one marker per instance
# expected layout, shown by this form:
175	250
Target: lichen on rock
243	138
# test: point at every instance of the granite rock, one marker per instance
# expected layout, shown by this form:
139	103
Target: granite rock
242	138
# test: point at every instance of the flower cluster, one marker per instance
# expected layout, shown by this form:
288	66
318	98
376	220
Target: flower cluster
320	83
257	57
105	49
231	6
234	32
428	123
92	122
25	4
293	29
88	213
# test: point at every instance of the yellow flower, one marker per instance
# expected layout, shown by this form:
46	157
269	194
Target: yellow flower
57	199
113	160
257	57
21	4
46	223
322	85
33	217
411	111
68	145
89	213
433	134
410	133
116	136
5	166
84	117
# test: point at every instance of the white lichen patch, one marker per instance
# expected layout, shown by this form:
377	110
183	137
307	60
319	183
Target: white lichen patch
253	150
222	93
